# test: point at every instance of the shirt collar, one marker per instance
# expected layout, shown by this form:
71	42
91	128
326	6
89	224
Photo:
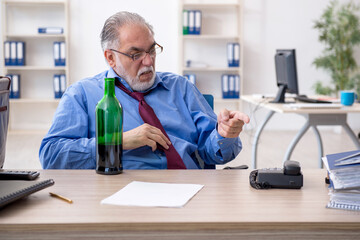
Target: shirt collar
158	82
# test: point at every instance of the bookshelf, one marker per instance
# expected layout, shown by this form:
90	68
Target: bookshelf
221	23
20	20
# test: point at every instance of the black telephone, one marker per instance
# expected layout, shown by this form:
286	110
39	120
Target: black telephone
288	177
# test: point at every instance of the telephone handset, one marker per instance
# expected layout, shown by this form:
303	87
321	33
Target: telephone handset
288	177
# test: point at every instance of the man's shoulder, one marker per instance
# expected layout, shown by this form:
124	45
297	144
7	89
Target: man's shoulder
90	81
171	78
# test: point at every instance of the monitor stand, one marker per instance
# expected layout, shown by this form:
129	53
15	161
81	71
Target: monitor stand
280	96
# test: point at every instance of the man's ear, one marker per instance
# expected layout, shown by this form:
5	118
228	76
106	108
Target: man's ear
110	57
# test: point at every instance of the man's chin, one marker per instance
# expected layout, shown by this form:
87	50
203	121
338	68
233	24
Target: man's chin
143	83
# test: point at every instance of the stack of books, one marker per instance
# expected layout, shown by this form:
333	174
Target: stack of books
344	176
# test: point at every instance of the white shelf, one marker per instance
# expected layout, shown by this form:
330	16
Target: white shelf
33	100
32	2
211	69
210	37
62	36
35	68
227	100
210	5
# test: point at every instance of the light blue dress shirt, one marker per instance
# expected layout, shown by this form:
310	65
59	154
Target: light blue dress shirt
182	110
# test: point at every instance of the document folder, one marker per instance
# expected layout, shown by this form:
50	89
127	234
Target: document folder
197	22
12	190
62	84
191	22
57	86
50	30
20	53
225	85
7	53
185	22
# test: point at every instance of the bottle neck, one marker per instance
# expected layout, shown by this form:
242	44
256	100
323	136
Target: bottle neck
109	87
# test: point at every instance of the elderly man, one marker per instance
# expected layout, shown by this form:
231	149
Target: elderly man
189	123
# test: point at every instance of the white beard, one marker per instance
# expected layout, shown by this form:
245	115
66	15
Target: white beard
135	83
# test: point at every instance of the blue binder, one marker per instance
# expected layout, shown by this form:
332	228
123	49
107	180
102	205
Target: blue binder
15	85
185	22
50	30
57	54
237	86
191	22
62	54
231	86
20	53
7	53
233	54
13	59
57	92
236	62
62	84
225	85
197	22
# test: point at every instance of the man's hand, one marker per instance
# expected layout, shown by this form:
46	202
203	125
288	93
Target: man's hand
144	135
230	123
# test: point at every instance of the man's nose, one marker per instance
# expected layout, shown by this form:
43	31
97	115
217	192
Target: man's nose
148	60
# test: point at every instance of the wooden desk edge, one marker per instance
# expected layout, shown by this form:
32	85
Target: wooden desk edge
183	227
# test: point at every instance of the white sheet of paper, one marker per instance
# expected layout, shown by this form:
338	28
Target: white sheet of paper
147	194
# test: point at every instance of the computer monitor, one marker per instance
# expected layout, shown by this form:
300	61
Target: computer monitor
286	74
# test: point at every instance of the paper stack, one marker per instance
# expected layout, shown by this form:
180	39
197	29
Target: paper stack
344	175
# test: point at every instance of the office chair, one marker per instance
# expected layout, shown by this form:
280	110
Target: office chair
4	115
210	99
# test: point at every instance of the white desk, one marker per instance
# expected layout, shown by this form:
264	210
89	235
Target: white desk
314	118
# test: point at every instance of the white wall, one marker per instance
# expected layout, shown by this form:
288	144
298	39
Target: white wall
88	16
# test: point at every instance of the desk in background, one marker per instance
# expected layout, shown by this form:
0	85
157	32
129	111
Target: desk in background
314	118
226	208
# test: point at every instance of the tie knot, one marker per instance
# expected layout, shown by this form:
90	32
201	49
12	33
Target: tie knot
138	96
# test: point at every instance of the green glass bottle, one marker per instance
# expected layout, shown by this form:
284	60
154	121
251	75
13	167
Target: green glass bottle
109	132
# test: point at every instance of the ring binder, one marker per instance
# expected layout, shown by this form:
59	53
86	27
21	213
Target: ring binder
11	190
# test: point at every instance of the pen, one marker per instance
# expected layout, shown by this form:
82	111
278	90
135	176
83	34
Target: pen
61	197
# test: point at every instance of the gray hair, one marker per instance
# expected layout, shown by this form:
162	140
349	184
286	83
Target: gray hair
110	32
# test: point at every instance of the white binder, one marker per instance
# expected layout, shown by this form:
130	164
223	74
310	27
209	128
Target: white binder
230	54
236	55
13	59
7	53
57	53
57	86
185	22
20	53
225	86
15	86
62	84
197	22
191	22
62	54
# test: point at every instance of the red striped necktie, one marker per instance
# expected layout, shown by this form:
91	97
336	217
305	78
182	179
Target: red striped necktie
148	115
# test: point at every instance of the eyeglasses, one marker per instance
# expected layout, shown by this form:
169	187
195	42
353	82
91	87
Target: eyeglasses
154	50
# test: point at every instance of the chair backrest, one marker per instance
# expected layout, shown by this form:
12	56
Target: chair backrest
210	99
4	115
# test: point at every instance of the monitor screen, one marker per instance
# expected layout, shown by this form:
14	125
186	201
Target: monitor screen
286	74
